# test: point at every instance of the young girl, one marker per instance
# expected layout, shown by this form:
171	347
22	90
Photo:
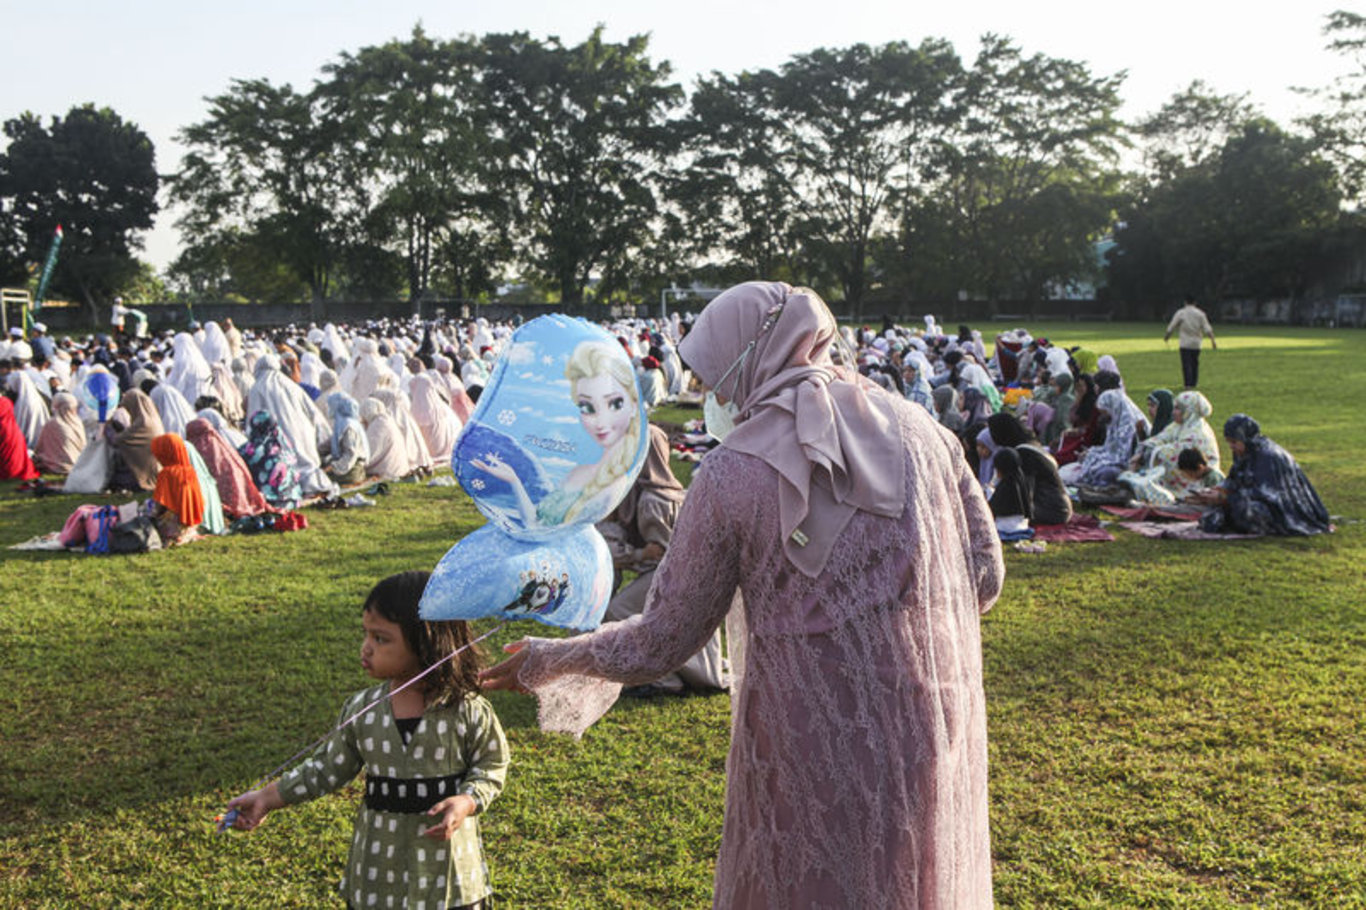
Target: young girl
434	756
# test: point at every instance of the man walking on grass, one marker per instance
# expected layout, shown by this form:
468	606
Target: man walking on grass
1191	325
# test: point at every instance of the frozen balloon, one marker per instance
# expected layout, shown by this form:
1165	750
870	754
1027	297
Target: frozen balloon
559	434
564	582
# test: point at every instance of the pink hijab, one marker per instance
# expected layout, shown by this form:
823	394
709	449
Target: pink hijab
831	436
236	489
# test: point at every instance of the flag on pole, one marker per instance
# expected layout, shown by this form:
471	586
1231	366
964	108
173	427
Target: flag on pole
48	266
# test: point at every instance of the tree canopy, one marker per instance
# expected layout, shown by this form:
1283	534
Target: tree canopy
880	175
95	175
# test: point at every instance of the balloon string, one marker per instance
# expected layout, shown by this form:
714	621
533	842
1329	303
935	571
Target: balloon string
350	720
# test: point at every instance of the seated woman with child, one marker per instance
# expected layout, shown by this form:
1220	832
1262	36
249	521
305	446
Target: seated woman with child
1154	475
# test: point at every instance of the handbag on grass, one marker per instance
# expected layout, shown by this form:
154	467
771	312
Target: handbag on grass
138	535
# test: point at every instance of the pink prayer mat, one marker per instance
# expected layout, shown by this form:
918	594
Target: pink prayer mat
1154	513
1179	530
1079	529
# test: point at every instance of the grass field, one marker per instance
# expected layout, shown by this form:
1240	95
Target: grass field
1172	724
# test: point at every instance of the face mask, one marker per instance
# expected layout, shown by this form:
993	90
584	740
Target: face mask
719	418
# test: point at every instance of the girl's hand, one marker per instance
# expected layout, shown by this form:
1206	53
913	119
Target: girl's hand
504	675
252	808
451	813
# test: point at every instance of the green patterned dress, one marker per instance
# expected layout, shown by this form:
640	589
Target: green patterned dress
456	748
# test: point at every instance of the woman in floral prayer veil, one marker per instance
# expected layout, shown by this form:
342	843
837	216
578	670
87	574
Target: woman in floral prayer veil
864	553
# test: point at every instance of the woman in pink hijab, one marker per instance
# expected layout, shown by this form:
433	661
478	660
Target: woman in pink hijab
434	417
865	553
236	489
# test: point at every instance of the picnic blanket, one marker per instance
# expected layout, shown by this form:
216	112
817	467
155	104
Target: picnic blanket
1155	513
1178	530
1079	529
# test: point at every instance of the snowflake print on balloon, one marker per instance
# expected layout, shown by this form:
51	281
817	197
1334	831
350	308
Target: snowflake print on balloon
477	483
507	417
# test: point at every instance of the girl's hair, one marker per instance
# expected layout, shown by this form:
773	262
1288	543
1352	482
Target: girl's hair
396	599
597	358
1190	460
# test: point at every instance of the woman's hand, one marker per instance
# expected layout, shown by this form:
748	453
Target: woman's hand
504	675
451	813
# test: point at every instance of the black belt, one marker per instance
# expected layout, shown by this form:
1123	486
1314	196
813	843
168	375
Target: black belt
411	795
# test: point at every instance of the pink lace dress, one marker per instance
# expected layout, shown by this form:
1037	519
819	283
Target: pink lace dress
857	772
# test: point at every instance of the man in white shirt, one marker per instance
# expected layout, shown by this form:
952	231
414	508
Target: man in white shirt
116	317
1191	325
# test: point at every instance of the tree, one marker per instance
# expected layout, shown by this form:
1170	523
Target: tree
1339	130
856	122
797	170
578	142
1251	221
95	175
1191	128
732	206
1021	181
411	119
263	173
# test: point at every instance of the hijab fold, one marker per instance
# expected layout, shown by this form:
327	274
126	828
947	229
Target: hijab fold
833	438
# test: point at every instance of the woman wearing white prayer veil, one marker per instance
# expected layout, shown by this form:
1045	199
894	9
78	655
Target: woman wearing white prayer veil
227	392
30	410
388	459
241	377
94	467
191	374
332	341
398	365
174	409
310	369
414	445
434	417
216	349
234	437
368	368
299	421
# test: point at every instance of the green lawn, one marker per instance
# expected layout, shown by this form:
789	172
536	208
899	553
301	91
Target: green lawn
1172	724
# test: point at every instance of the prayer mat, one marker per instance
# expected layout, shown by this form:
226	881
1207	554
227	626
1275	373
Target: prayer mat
1154	513
1179	530
1080	529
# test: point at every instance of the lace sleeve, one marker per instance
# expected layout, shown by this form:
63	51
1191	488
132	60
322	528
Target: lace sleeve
577	679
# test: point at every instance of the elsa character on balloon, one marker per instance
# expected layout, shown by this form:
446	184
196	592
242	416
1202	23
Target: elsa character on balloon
603	387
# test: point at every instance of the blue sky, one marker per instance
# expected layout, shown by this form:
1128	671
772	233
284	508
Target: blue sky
154	61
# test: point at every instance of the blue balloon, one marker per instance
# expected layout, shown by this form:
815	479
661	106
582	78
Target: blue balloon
100	393
559	433
565	582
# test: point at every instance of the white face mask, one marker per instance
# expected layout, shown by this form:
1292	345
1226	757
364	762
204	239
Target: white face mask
719	418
